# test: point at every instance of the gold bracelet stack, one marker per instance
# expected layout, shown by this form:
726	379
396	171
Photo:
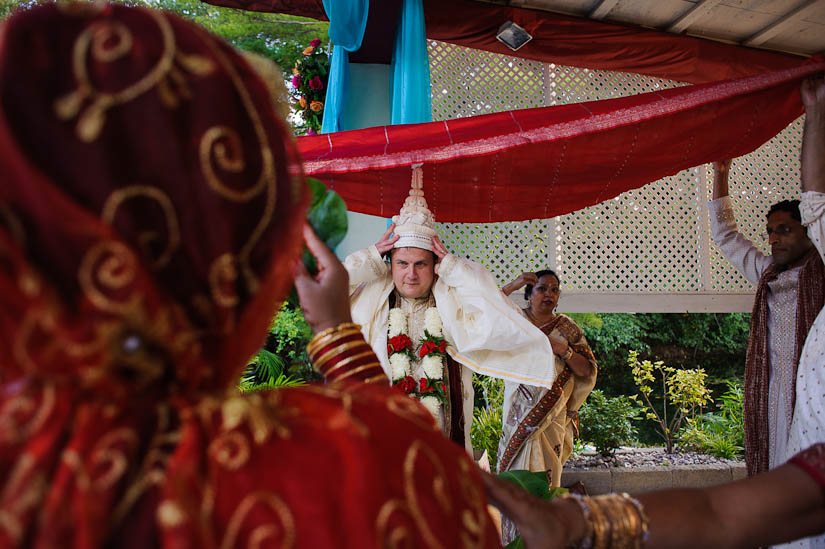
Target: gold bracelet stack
614	521
341	353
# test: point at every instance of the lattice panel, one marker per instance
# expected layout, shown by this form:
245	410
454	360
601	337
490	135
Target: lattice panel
467	82
651	240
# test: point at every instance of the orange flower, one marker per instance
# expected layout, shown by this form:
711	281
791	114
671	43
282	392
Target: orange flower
295	71
303	102
309	50
316	106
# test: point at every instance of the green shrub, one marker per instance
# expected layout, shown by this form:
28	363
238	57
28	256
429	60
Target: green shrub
607	422
720	433
684	389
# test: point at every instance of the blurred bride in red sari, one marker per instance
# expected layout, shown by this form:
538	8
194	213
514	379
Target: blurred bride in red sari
151	218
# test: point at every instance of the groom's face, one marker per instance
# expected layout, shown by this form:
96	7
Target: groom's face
413	271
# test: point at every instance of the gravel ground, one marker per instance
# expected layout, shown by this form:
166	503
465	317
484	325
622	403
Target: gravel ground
642	457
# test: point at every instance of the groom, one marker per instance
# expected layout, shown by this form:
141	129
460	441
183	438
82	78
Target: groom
425	289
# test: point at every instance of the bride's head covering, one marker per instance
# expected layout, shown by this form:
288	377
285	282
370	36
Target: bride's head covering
151	203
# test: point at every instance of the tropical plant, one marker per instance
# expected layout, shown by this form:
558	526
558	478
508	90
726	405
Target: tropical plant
283	361
309	84
485	431
684	389
608	422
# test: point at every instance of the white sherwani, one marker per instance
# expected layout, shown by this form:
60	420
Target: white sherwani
485	331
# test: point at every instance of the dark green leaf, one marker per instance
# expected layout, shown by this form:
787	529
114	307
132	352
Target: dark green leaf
327	216
534	483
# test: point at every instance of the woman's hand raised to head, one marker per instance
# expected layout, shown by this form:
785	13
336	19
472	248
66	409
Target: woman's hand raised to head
387	241
324	297
523	280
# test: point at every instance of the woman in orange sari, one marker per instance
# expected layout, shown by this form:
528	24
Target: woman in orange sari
152	211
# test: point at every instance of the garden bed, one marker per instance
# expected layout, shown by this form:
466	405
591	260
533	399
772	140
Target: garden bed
644	457
644	469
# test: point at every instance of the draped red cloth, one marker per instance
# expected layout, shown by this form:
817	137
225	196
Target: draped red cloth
540	163
151	203
569	40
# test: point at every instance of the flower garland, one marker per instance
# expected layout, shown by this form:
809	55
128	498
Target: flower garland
309	80
430	390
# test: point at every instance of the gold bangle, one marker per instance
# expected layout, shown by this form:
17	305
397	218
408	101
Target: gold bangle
330	334
382	377
358	370
342	326
329	341
347	360
319	361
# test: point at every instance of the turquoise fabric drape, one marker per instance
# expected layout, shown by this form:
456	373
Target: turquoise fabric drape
410	85
347	22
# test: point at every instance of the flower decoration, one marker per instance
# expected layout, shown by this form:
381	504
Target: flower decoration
430	389
309	84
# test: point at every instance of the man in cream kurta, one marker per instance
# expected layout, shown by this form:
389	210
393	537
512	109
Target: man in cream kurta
778	276
485	332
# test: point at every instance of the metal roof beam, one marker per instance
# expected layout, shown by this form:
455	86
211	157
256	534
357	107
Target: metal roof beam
780	24
698	11
604	7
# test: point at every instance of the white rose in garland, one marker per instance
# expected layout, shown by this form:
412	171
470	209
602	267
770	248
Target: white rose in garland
398	323
433	366
432	322
433	405
399	366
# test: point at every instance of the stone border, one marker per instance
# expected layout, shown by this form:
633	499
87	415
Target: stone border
645	479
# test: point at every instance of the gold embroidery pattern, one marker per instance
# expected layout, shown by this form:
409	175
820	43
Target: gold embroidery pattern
152	471
473	519
23	492
281	532
107	462
107	42
403	406
107	267
231	450
224	143
418	450
109	215
223	276
396	519
22	416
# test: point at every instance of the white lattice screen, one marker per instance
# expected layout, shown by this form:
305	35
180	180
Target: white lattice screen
647	249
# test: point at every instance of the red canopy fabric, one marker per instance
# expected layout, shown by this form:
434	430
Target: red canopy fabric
540	163
573	41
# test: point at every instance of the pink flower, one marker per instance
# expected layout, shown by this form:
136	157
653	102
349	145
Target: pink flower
316	83
296	81
311	131
315	43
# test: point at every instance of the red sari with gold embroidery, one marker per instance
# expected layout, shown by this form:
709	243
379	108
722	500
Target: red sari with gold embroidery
150	210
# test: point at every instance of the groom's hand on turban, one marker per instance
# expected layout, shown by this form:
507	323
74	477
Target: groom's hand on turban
324	297
386	243
439	249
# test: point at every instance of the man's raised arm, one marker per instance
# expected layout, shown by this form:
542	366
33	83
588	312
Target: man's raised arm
813	140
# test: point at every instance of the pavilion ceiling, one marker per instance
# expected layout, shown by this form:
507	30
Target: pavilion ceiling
792	26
